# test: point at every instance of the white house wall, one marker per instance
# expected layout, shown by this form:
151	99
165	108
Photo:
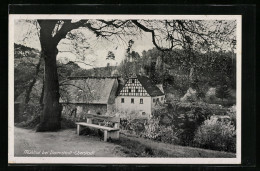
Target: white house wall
129	107
160	98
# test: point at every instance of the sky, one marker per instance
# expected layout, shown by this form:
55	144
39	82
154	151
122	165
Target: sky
26	34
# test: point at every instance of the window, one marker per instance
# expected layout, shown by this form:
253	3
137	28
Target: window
129	90
141	101
122	100
143	113
132	100
133	80
157	99
161	98
153	100
136	90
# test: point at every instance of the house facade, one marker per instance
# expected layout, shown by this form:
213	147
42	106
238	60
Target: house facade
139	95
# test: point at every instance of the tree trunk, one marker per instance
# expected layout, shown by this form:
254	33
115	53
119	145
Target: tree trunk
51	116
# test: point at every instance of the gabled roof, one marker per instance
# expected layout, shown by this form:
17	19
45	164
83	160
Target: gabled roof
90	90
149	86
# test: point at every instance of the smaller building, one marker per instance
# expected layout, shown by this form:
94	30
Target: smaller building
139	95
94	95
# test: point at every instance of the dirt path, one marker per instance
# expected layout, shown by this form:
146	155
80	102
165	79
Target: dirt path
64	143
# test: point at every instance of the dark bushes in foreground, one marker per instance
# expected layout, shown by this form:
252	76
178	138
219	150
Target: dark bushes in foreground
189	126
216	135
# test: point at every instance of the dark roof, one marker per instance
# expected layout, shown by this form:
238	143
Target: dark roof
91	90
149	86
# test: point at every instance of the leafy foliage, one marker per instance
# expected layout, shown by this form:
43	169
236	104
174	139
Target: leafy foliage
26	60
178	123
231	112
216	135
173	69
222	92
155	131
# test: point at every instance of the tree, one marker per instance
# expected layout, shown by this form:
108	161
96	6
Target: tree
128	65
222	92
28	67
51	33
166	35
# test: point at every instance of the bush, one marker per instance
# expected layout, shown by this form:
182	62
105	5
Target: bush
216	135
152	129
133	126
168	135
155	131
189	117
178	124
30	117
232	114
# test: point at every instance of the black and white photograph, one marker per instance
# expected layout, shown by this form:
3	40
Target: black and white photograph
115	89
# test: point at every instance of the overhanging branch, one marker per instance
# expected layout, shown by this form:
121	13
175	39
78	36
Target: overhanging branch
144	28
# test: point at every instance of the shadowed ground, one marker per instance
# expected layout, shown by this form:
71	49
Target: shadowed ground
66	143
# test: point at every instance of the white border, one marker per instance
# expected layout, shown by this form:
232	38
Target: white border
121	160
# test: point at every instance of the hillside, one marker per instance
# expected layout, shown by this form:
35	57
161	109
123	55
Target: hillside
97	72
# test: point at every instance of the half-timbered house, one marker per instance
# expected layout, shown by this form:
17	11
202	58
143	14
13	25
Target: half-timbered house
139	95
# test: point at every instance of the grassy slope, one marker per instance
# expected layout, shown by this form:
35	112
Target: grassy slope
140	147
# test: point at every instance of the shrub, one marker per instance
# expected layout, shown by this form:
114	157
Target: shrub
232	114
179	122
190	117
222	92
30	117
152	129
133	126
216	136
168	135
155	131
